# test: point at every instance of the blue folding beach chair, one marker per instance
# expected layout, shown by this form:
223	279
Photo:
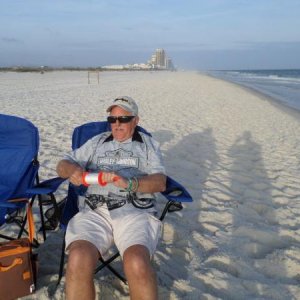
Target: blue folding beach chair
19	181
175	193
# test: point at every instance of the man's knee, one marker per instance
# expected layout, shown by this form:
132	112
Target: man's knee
83	255
137	260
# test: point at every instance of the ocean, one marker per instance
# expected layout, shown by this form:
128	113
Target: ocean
281	85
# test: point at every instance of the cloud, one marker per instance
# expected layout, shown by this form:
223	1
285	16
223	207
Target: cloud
9	40
249	45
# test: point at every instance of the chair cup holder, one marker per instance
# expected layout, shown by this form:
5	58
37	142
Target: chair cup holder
175	206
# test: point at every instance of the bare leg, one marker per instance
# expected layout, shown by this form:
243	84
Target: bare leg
140	274
82	260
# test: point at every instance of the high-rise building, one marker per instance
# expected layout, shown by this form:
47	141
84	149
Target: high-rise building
153	59
169	64
160	58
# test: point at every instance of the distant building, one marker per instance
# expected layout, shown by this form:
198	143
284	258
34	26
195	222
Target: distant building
159	60
113	67
152	61
170	65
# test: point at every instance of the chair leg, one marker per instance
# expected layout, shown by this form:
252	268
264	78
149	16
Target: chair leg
62	261
6	237
22	226
54	202
42	216
163	214
105	263
117	274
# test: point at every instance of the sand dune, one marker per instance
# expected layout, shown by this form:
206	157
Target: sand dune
235	151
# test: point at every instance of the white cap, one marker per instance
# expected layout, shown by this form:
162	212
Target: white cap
126	103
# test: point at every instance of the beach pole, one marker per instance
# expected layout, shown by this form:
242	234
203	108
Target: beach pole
89	76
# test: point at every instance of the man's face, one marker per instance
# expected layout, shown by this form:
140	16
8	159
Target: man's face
122	131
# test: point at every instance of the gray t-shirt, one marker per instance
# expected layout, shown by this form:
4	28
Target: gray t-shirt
137	156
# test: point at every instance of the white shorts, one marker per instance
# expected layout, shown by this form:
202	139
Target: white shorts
98	227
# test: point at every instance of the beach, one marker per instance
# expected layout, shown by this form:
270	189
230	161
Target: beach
235	151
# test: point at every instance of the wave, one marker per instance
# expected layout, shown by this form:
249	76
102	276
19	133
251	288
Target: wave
282	85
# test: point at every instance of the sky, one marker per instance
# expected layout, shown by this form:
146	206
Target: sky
196	34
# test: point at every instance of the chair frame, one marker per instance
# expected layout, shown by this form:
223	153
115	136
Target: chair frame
106	263
175	194
34	187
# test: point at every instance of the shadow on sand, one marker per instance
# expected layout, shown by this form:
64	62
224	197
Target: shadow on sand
189	162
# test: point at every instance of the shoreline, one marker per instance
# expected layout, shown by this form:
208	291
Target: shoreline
277	103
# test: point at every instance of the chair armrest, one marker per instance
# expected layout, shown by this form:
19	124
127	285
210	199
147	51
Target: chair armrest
47	186
176	192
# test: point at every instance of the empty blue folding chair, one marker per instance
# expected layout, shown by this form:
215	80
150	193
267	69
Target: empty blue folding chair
175	193
19	144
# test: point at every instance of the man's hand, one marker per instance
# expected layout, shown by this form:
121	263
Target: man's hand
111	177
70	170
76	177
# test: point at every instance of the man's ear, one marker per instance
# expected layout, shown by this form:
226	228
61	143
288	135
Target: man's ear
137	119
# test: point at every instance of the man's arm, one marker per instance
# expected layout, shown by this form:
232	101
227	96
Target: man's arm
70	170
152	183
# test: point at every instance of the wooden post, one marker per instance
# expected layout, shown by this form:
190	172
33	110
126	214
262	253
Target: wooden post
95	72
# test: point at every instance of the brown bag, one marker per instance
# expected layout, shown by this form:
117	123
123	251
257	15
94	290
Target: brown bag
18	265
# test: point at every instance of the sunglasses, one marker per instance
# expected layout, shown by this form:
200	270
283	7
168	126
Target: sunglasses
121	119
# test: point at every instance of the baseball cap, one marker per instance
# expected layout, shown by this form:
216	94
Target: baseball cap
126	103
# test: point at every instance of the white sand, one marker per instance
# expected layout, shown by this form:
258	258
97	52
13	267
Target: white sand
237	154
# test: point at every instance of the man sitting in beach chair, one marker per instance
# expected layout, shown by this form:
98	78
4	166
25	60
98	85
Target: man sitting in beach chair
120	209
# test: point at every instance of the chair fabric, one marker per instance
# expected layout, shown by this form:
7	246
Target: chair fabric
19	145
174	193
